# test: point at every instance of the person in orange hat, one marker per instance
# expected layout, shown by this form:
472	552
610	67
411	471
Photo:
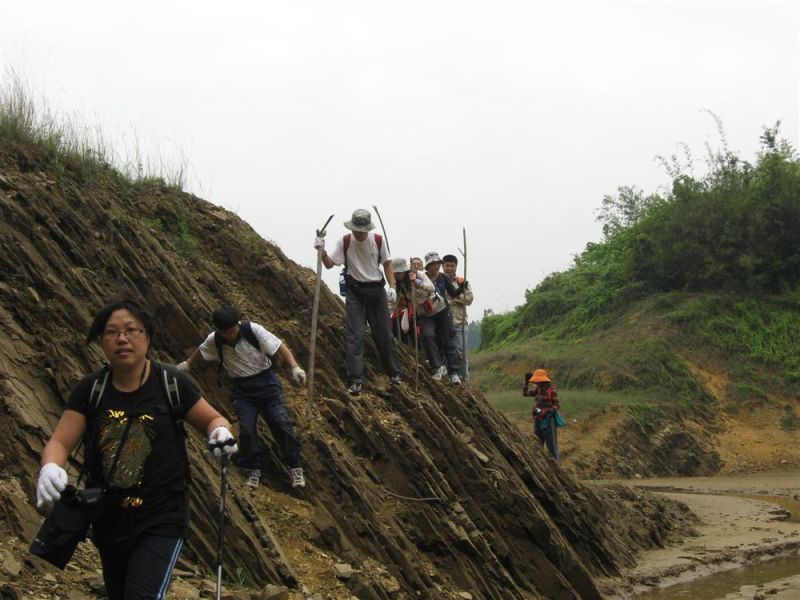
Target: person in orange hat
546	419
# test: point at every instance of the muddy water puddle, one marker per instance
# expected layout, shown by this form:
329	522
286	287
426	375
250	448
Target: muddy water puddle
790	505
720	584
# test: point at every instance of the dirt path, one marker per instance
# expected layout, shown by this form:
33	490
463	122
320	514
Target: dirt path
744	519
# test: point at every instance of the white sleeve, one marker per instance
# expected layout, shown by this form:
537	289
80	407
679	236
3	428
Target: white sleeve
337	256
269	343
208	349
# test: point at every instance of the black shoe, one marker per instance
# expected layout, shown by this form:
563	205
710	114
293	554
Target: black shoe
394	380
355	388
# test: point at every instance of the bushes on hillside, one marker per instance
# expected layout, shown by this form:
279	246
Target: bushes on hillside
732	230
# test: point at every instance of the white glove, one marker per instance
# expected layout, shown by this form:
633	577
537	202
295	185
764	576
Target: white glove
391	295
221	440
298	375
52	481
184	366
319	243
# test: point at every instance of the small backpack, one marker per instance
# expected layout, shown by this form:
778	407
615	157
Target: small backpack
343	274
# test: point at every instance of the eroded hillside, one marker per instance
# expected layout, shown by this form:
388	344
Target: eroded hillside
426	495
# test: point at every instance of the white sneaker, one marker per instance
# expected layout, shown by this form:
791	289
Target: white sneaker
455	378
254	478
298	479
439	373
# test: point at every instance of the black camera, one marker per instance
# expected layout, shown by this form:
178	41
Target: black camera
67	525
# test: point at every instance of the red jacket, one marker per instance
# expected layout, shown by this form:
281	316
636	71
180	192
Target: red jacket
546	400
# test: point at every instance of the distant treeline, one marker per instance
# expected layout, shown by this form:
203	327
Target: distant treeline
734	230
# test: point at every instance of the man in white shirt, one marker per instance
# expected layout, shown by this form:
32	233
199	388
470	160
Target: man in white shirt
363	254
244	349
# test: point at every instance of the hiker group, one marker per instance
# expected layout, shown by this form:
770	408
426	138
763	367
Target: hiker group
425	303
130	414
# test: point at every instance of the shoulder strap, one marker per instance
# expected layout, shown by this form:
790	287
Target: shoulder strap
379	241
246	327
346	242
169	379
98	388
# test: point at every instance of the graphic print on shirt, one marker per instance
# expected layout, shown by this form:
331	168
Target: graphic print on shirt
129	471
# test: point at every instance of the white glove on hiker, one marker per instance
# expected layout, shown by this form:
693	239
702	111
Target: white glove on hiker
391	295
52	481
298	375
319	243
184	366
221	440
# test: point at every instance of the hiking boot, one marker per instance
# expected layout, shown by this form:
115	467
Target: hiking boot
394	380
454	378
439	373
254	478
355	388
298	479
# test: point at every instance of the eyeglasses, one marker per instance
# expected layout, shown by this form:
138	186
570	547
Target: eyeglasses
130	332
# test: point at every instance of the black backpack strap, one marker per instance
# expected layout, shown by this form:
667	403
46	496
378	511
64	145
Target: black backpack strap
246	329
98	388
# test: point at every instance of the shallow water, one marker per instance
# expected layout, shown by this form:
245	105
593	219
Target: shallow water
719	584
789	504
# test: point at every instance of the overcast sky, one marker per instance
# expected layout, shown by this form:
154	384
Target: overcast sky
511	119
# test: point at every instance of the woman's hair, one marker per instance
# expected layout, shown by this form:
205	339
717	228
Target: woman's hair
225	318
101	318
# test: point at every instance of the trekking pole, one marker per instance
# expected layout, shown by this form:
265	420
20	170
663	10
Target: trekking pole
223	486
388	251
465	324
416	333
312	345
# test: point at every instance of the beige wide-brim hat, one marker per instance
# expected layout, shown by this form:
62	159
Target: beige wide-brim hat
360	221
432	257
400	265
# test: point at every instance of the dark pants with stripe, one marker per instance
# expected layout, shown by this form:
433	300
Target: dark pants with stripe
263	394
367	304
141	571
437	340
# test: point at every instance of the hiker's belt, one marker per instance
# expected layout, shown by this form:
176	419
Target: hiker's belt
355	283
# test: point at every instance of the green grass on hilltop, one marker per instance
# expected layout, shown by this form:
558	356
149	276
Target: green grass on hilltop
68	145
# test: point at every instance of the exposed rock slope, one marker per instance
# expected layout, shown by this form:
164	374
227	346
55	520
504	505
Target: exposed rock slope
426	494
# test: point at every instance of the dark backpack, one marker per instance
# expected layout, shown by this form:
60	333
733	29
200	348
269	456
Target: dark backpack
343	274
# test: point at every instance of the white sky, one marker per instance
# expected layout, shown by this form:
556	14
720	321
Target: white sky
512	119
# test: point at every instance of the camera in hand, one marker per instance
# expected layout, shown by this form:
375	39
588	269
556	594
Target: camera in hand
67	524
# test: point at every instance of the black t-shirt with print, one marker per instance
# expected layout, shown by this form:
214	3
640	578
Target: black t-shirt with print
148	490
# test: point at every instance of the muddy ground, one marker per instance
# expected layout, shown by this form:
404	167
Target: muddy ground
744	519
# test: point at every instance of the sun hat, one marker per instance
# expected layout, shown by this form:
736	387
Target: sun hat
400	265
539	376
432	257
360	221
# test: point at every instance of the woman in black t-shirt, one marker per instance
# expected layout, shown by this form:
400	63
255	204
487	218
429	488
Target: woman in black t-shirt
135	450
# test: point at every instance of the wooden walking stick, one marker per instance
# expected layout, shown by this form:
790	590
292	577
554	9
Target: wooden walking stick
389	252
465	324
312	345
414	325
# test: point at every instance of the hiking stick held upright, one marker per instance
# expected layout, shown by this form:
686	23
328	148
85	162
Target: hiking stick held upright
223	487
312	345
466	323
